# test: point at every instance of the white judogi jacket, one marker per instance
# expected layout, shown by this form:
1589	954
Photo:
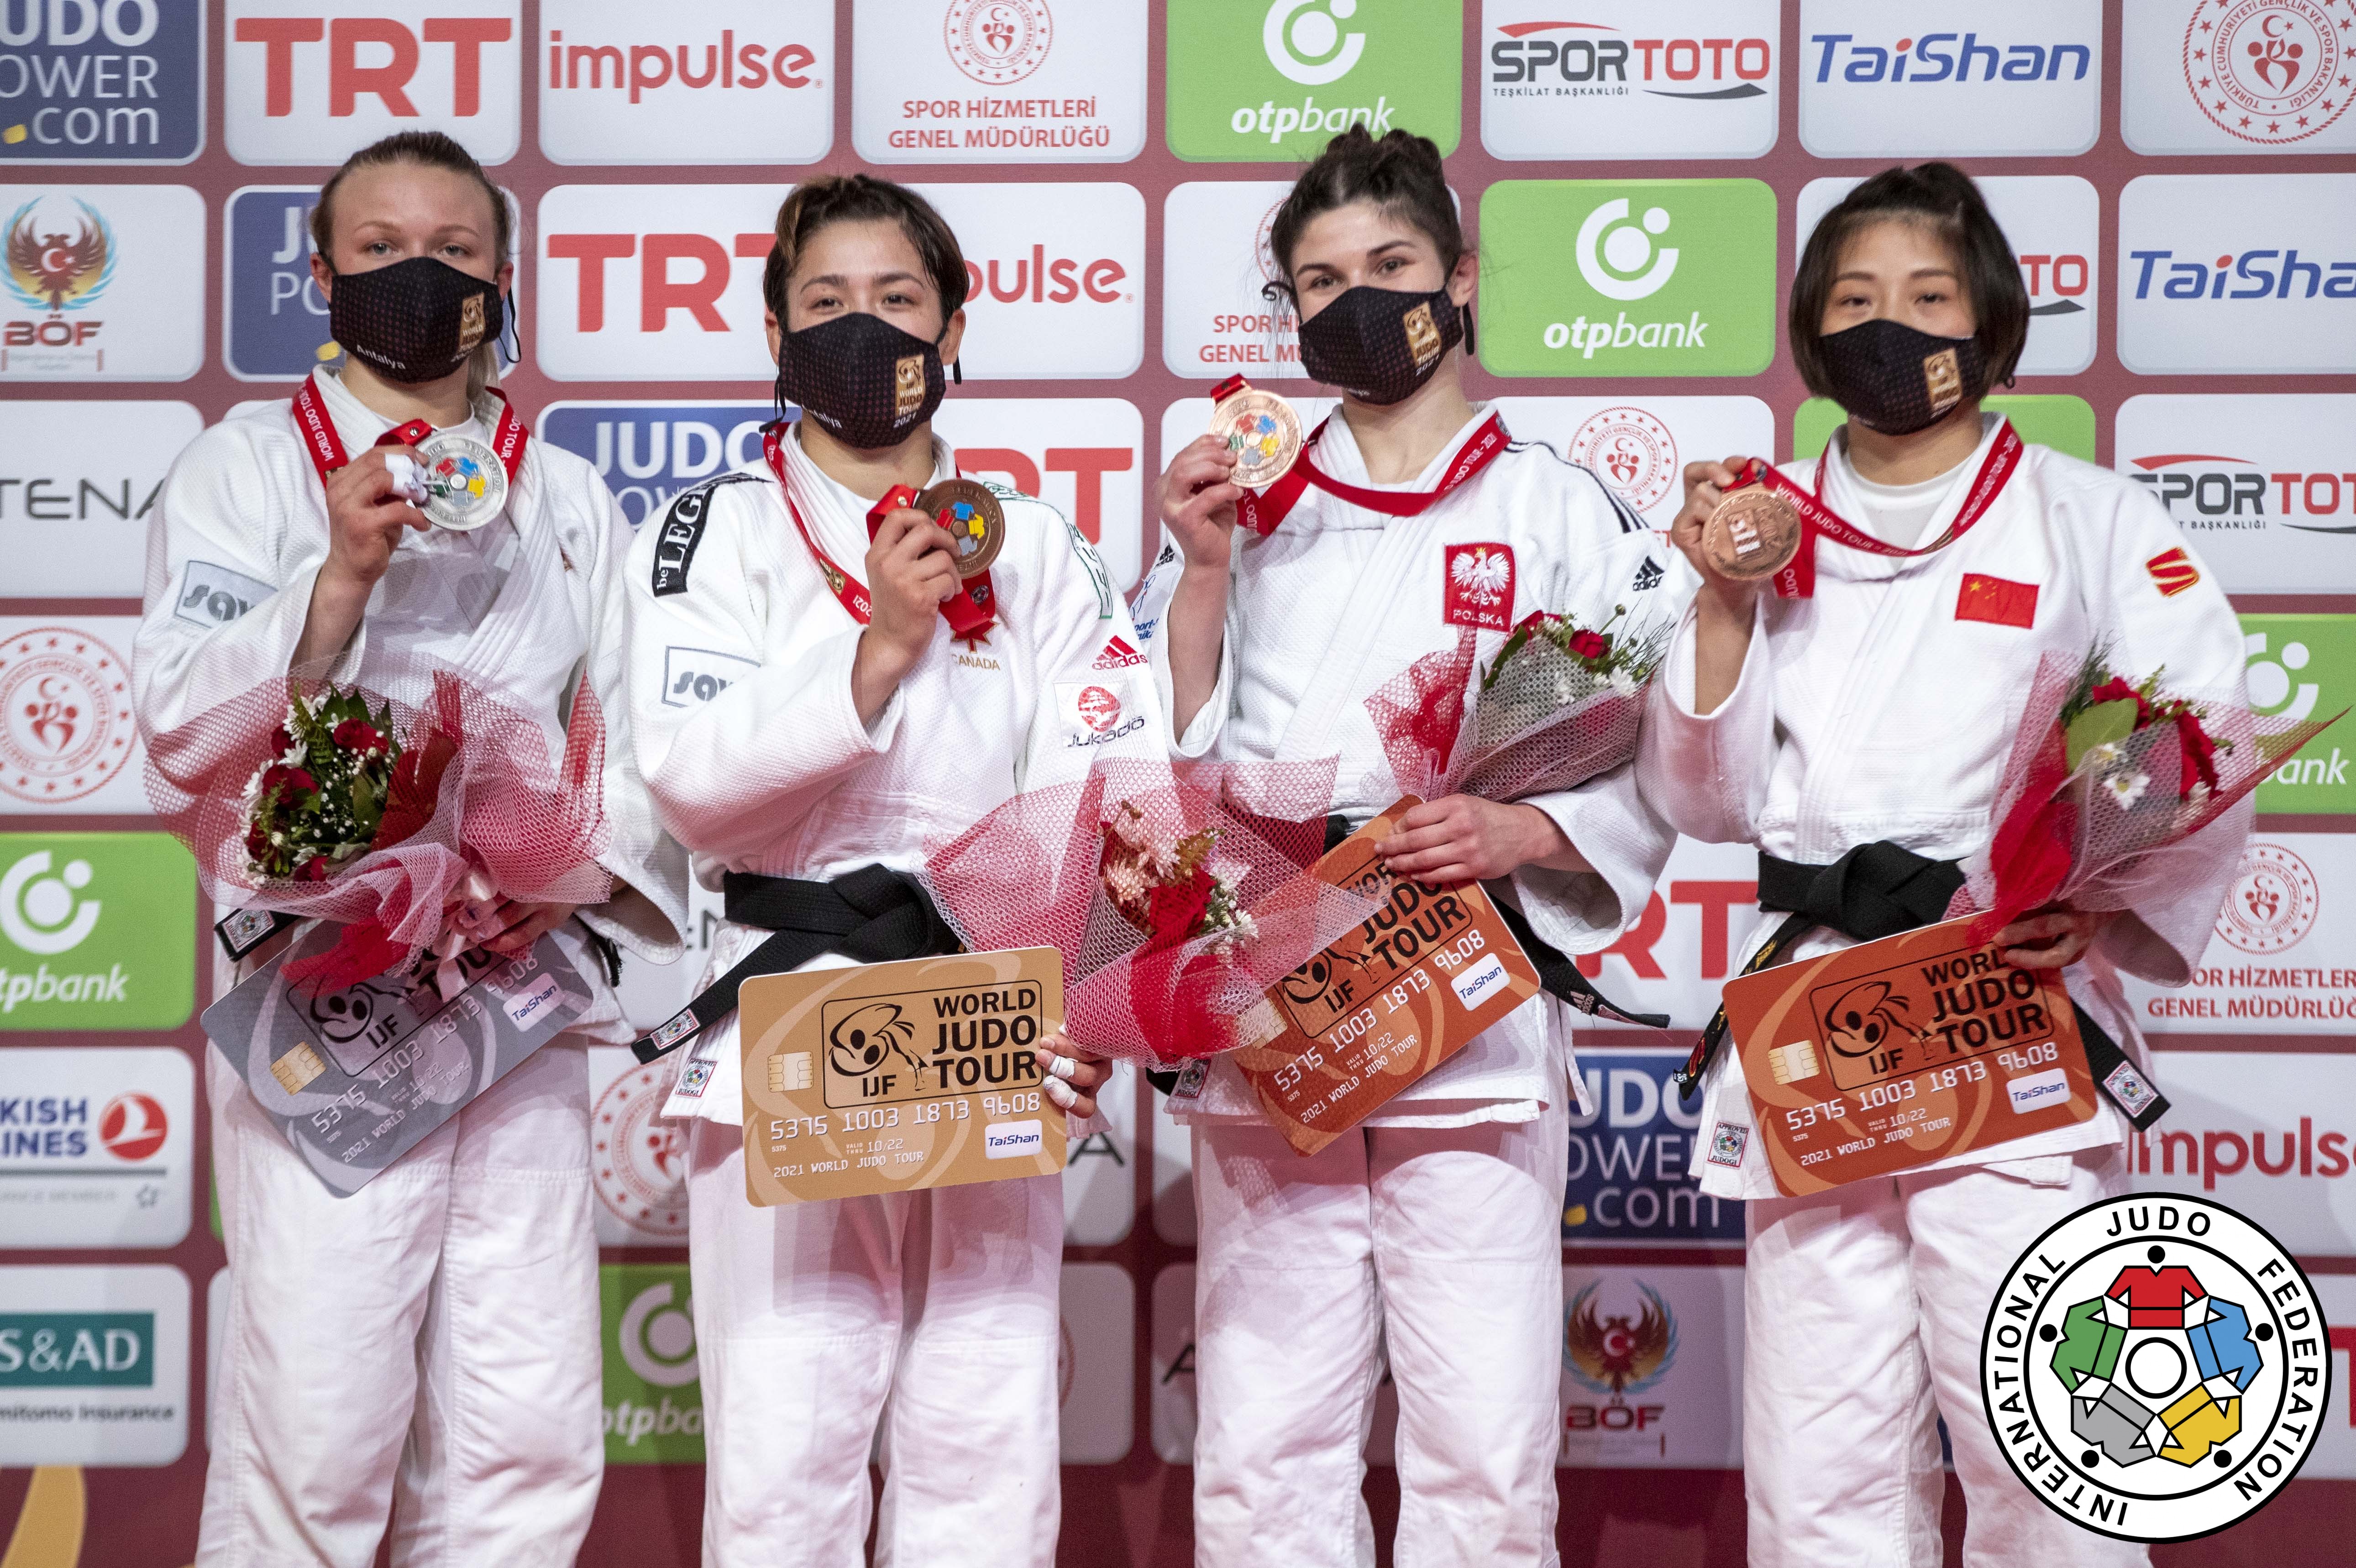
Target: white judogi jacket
1871	711
238	538
740	700
1339	600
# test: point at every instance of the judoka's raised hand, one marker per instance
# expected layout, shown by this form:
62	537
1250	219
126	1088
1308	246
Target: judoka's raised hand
1196	497
1463	839
366	518
1069	1076
2050	938
911	568
1723	609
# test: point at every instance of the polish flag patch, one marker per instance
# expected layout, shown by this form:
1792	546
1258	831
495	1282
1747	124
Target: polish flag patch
1996	600
2172	571
1116	655
1477	587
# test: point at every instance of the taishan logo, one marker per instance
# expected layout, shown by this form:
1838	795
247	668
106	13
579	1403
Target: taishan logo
2253	275
1530	60
2270	71
1943	57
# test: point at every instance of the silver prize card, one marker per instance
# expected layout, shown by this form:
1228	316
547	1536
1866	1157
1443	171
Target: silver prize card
356	1078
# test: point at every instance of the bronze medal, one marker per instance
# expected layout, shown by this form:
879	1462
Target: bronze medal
974	519
1263	431
1753	533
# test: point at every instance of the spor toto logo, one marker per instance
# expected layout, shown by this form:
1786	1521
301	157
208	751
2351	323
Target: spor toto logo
65	714
2268	70
2156	1367
133	1127
2273	902
999	41
1626	250
1305	42
1631	451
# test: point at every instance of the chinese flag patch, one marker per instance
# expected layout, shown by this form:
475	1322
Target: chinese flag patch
1996	600
1477	587
2172	571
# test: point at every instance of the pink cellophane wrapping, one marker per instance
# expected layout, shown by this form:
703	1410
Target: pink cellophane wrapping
1027	876
2089	838
1547	724
531	820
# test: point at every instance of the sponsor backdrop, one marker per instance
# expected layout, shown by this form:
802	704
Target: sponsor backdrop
2179	178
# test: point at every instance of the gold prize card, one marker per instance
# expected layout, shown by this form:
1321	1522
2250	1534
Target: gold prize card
891	1077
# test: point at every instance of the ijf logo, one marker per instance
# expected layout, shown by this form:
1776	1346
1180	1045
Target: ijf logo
641	1163
2273	902
1000	41
60	260
2156	1368
2270	71
65	714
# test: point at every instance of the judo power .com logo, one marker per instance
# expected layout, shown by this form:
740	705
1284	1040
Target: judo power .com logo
2156	1368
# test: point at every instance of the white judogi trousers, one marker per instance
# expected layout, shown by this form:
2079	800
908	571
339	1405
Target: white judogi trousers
934	1314
1440	1247
1864	1307
426	1347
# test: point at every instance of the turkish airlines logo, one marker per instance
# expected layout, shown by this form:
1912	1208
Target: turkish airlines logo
1624	265
133	1127
1305	42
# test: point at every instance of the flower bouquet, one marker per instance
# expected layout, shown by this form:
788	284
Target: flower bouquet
1175	905
2103	772
1558	705
391	818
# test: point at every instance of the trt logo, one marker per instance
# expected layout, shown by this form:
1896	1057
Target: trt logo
1997	77
305	86
652	282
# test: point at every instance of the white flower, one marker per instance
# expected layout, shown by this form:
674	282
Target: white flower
2128	787
1623	682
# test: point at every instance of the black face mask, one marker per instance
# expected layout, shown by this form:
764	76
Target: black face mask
1381	345
865	380
1895	380
416	320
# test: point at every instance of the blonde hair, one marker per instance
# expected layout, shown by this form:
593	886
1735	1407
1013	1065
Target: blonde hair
431	149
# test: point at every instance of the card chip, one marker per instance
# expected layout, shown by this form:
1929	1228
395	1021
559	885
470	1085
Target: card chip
297	1069
790	1070
1794	1062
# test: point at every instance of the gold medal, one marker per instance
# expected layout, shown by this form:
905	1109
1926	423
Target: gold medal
974	519
1262	430
1753	533
466	484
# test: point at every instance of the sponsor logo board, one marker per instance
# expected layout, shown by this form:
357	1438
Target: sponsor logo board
1099	1171
2057	419
691	81
68	741
653	1400
1652	1368
96	284
1272	81
1994	79
304	84
1215	262
95	1146
2273	1135
2262	485
1627	1182
2275	962
1667	277
76	482
102	82
2221	273
2248	76
2299	666
637	1160
1055	278
1174	1179
999	81
1095	1362
648	451
1640	447
2052	222
1081	455
1616	81
1694	933
93	1366
95	931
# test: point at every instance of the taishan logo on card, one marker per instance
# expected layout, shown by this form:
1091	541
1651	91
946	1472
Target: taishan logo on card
2269	72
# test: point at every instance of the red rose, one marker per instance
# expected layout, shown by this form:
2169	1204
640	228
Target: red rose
257	844
1177	911
2118	691
288	780
315	870
359	735
281	742
1591	644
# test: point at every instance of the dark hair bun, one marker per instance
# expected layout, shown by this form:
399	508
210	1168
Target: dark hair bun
1398	171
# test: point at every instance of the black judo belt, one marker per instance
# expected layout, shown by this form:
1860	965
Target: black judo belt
1879	889
873	915
1557	973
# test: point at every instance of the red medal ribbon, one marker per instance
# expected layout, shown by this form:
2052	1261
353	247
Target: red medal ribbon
1798	579
327	448
1261	512
968	610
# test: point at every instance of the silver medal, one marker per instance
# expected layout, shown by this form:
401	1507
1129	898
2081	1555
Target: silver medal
466	484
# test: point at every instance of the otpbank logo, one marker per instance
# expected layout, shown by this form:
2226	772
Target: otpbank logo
1991	77
2222	273
1270	80
94	931
1668	277
308	83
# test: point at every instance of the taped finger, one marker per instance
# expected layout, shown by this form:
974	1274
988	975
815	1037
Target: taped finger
1062	1066
1063	1093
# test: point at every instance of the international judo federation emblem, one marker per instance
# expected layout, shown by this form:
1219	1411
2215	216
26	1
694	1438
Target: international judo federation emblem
1619	1354
2156	1368
52	271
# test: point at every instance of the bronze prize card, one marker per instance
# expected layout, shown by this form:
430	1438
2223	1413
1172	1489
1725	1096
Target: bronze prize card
1898	1053
890	1077
1400	994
